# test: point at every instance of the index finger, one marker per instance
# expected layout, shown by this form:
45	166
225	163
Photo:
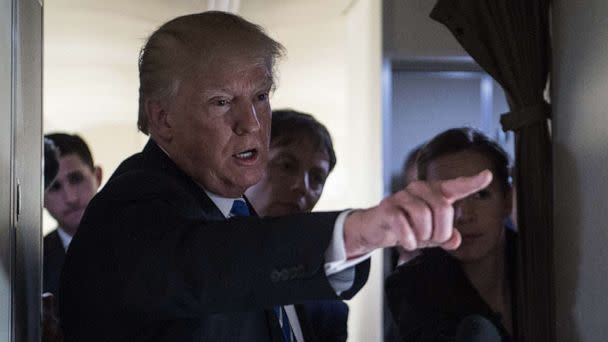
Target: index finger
461	187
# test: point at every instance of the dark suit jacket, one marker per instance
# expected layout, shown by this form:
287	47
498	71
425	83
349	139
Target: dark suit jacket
323	320
155	260
54	254
52	262
430	295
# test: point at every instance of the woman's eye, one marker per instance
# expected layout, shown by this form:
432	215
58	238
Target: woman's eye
221	102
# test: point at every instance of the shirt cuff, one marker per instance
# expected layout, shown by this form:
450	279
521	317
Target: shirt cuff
339	270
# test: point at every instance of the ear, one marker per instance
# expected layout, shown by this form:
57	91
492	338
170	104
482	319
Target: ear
97	171
158	119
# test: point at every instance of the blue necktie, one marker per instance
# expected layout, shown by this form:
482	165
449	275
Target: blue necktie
288	335
240	208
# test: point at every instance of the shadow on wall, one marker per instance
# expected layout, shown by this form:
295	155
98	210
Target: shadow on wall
568	214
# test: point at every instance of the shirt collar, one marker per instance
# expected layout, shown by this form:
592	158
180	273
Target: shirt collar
64	237
222	203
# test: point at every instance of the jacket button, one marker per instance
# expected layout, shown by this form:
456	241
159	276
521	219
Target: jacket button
293	273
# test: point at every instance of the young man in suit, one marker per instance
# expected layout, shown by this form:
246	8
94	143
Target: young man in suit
164	253
300	159
66	198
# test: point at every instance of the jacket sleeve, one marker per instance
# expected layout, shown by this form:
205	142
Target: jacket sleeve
156	257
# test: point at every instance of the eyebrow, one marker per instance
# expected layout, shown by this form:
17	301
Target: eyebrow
75	172
212	90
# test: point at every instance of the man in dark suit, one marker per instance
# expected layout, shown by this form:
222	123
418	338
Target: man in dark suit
301	157
66	197
162	253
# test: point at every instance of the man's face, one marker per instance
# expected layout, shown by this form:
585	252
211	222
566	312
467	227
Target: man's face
479	217
71	191
294	179
220	125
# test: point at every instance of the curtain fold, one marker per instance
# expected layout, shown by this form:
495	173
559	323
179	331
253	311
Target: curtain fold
510	40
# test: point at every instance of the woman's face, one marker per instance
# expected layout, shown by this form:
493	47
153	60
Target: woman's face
479	217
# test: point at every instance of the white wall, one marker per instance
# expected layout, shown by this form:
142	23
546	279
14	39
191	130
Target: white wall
580	128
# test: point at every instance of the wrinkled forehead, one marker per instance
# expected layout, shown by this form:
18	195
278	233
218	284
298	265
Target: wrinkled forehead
232	65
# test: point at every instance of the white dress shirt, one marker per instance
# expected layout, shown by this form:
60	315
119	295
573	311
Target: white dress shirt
64	237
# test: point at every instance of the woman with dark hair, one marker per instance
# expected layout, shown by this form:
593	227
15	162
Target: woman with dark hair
481	271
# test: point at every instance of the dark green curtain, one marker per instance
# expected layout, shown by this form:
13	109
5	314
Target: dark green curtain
510	40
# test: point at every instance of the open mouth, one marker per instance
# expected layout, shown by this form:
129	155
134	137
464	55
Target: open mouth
247	155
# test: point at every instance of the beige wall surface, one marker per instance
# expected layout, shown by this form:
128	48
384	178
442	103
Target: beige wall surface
580	128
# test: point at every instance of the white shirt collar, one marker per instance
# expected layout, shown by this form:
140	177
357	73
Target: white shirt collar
222	203
64	237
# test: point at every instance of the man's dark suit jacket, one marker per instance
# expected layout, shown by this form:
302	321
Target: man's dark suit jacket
54	254
155	260
323	320
52	262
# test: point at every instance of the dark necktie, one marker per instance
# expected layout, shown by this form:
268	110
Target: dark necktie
239	208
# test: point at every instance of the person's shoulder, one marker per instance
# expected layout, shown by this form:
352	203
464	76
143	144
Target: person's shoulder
52	241
419	294
420	284
53	247
52	235
139	178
